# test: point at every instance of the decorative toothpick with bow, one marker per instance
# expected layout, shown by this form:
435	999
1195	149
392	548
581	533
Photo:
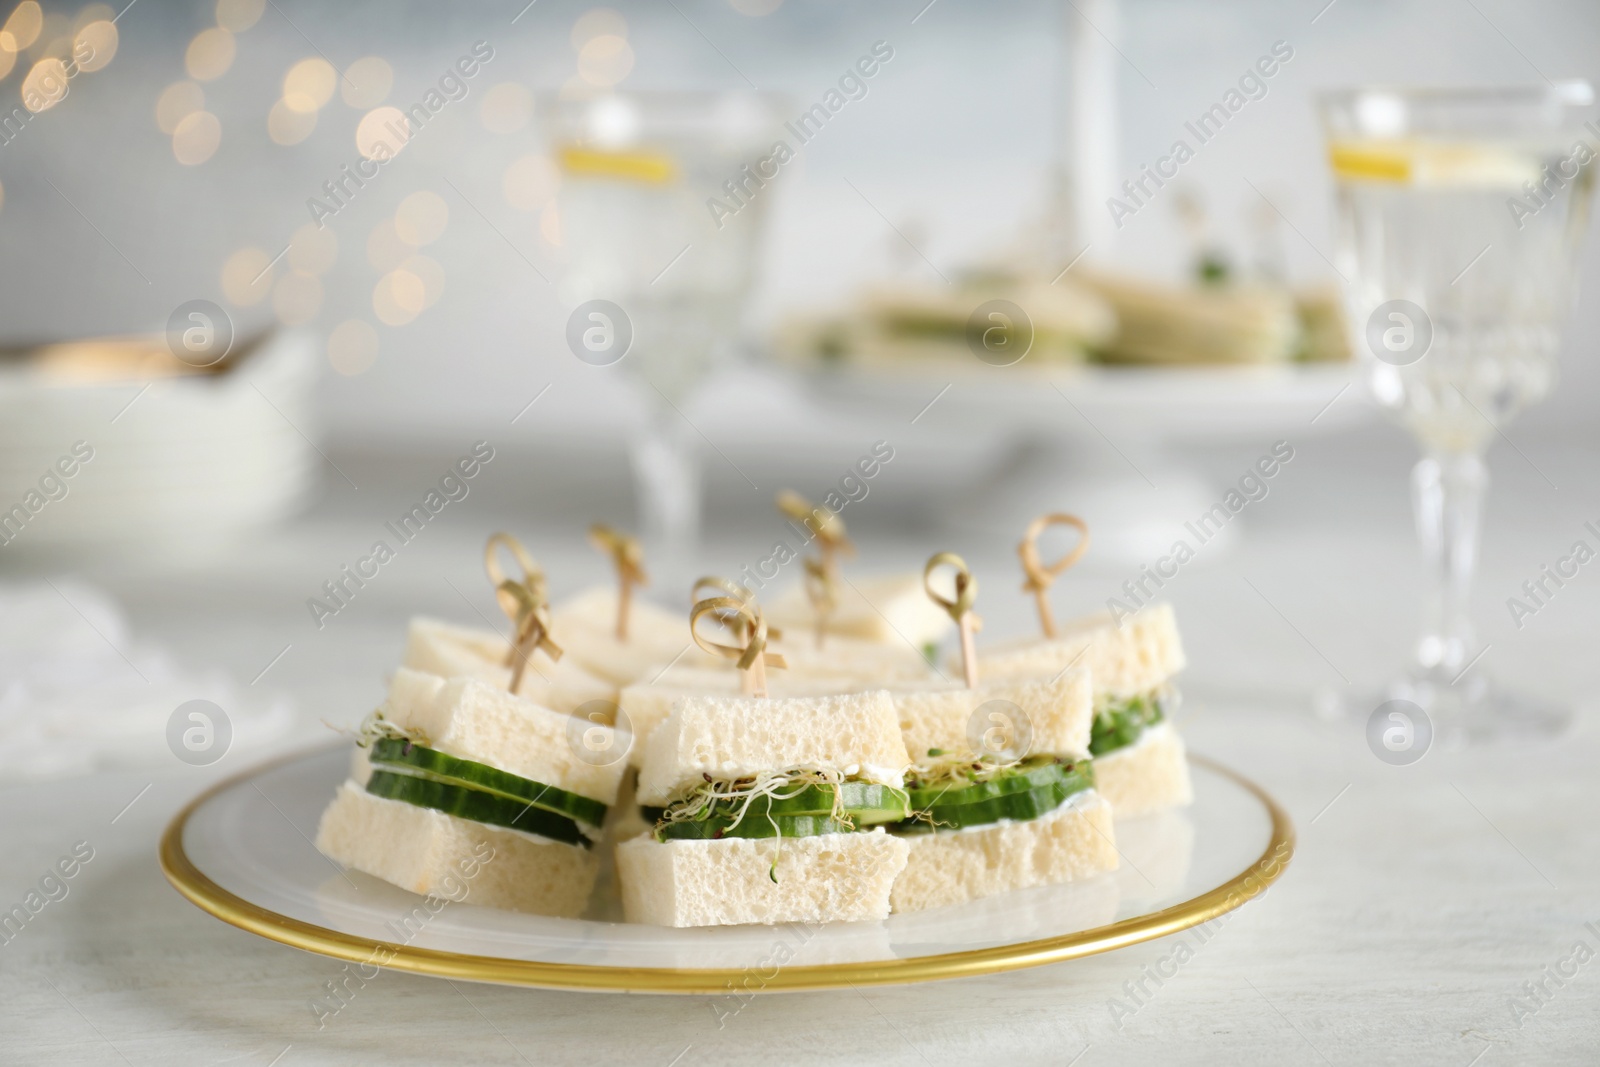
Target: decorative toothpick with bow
741	615
731	619
959	608
1041	577
525	602
822	571
629	558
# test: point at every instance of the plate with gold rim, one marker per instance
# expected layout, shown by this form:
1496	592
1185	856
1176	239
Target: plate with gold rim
242	852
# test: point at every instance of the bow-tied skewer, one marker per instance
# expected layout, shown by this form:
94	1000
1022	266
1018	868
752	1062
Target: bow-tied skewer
743	618
1040	576
959	608
525	602
628	556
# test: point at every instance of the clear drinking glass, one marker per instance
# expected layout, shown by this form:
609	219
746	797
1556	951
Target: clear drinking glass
638	176
1460	213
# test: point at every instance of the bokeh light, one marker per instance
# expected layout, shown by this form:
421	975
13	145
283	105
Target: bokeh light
247	276
45	86
239	15
97	43
599	22
209	55
22	28
353	347
605	60
366	82
506	108
177	101
93	13
287	126
382	133
430	273
196	138
398	297
421	218
309	84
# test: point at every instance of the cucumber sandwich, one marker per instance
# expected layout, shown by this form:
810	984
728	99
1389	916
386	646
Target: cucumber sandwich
768	810
867	663
647	704
892	610
449	768
451	651
841	665
1139	759
1002	791
586	627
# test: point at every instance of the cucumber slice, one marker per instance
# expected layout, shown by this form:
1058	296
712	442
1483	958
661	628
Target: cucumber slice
1017	806
1120	725
477	806
865	803
862	801
749	826
958	791
408	758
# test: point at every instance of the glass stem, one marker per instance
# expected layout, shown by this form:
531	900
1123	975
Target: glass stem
1447	494
667	480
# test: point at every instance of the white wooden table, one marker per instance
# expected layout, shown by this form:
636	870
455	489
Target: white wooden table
1420	901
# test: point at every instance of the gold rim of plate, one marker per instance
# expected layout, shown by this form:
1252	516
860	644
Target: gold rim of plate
236	911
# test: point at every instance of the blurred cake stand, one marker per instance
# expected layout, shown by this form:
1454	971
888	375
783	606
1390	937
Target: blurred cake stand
1103	442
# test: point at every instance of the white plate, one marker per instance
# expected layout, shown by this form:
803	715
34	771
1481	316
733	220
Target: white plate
243	852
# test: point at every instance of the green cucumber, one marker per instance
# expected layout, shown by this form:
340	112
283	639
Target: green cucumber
750	826
1017	804
867	801
408	758
476	806
864	803
1018	807
1120	725
965	791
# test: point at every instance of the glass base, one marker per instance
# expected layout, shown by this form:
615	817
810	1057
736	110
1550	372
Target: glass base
1416	712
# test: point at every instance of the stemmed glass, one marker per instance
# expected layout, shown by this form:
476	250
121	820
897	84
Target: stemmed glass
656	279
1460	213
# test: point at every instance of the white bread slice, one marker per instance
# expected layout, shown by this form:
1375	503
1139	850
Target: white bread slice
874	663
1124	661
737	737
585	626
948	867
647	705
1057	716
1149	775
428	852
827	878
893	609
463	652
473	720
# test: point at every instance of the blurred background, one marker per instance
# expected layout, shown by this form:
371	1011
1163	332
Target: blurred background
514	164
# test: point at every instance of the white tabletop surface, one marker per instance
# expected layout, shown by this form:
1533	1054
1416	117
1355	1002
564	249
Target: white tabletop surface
1419	903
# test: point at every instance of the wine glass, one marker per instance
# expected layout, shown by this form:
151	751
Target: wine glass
661	216
1460	213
